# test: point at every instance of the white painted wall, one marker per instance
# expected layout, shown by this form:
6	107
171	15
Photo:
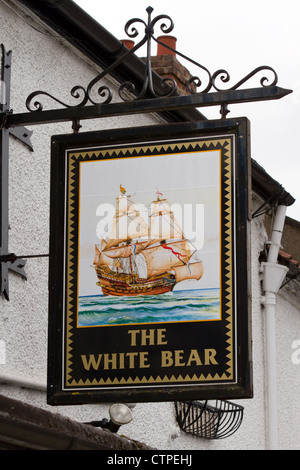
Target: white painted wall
46	63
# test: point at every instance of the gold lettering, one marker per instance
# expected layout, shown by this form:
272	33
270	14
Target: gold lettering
144	360
148	336
132	357
133	360
112	361
166	359
92	362
179	358
209	355
194	357
121	361
108	361
161	335
133	334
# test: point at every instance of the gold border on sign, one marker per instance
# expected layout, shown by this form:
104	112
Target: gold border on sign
71	253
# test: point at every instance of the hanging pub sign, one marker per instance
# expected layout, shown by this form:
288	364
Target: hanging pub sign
149	264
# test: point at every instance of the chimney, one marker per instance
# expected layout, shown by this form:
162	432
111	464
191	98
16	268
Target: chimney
166	64
168	41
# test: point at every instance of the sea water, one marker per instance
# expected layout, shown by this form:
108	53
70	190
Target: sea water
176	306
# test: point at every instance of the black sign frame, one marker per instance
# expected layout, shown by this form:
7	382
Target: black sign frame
194	371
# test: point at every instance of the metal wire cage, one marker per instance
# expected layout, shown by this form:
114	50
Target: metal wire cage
213	419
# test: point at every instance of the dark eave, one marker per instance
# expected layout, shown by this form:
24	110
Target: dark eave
71	22
25	427
268	188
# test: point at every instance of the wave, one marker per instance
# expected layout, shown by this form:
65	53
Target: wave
171	307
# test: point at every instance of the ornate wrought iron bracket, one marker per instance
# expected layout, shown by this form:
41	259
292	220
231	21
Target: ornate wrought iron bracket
205	87
96	101
146	106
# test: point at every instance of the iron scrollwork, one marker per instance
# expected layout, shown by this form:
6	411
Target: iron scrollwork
32	105
224	76
127	90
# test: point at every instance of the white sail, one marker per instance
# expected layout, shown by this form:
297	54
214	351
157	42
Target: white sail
163	224
127	224
102	260
119	252
164	257
102	244
189	271
97	256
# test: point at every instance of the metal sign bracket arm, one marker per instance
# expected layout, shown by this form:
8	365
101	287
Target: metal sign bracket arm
22	134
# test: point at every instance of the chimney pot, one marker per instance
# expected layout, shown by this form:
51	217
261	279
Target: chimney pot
128	43
168	41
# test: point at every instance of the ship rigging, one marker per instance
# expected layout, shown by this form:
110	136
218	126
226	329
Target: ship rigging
142	257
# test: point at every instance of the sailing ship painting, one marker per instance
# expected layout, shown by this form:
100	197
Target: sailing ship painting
141	258
149	259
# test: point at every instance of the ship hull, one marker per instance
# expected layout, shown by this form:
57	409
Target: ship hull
116	287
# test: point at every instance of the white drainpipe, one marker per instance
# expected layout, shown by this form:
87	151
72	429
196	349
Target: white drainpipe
273	276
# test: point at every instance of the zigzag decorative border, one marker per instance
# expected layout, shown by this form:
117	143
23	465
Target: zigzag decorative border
163	379
132	152
228	253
